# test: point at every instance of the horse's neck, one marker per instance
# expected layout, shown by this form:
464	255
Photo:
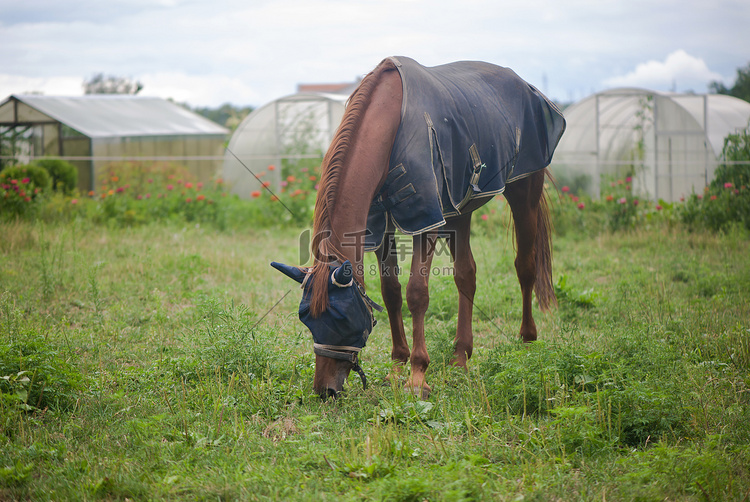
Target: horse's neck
349	220
366	167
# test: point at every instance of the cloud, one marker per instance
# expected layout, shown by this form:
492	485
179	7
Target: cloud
53	86
199	90
679	70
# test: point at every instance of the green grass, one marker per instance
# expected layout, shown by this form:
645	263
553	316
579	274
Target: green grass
144	364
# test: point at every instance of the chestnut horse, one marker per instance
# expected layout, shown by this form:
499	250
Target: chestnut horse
354	171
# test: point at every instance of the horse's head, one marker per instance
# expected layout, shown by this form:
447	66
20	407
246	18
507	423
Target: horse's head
341	331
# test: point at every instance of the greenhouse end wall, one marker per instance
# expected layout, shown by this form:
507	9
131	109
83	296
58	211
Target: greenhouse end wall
669	144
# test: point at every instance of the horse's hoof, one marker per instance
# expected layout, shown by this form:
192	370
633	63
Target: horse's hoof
422	393
421	390
459	361
396	373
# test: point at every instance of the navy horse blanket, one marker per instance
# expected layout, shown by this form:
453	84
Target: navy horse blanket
467	129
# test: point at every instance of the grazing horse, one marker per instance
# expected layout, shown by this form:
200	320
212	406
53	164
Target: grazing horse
418	150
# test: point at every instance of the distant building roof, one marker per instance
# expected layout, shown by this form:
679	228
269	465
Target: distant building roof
119	115
340	88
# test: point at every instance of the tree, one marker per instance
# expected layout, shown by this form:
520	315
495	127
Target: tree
741	87
99	84
227	115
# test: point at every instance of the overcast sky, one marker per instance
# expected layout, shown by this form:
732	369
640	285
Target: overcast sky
249	52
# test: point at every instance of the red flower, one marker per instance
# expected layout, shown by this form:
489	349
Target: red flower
485	217
635	202
291	179
271	168
566	189
628	179
74	201
581	205
188	185
266	184
610	198
728	185
170	187
255	194
25	181
622	200
200	197
713	197
658	207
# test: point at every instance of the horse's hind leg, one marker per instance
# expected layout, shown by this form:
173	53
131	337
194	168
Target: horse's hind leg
524	198
418	299
465	277
391	290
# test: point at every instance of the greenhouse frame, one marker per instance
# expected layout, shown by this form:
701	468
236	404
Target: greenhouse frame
668	144
93	131
284	133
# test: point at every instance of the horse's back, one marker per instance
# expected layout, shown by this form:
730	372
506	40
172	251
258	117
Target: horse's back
467	129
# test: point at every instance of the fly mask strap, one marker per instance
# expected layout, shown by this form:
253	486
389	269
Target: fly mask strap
327	351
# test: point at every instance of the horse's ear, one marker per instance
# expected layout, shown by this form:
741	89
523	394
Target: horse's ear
343	275
295	273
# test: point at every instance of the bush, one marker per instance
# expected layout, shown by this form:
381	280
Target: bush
726	201
22	189
34	375
64	175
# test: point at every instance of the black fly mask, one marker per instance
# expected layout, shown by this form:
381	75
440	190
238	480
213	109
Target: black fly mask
341	331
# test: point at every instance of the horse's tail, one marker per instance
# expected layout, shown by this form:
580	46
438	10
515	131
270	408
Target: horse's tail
545	291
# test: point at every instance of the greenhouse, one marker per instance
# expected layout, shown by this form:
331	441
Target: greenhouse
290	133
94	130
669	144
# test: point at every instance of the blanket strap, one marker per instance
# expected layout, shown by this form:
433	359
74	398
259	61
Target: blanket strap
477	168
381	204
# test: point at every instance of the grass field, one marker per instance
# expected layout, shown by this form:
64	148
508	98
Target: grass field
151	364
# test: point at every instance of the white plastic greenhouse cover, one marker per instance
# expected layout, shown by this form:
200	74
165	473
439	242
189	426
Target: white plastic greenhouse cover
293	127
670	143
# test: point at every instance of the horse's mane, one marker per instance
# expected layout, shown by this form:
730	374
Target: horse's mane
324	250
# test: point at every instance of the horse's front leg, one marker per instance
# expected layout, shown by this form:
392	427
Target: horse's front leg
391	291
465	277
418	299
